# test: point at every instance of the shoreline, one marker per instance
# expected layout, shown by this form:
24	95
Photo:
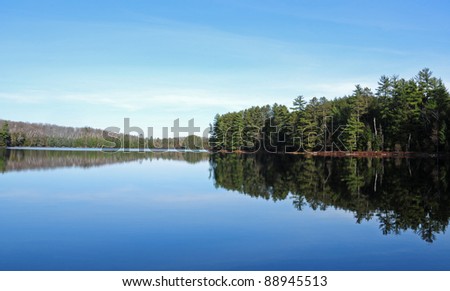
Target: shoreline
362	154
343	154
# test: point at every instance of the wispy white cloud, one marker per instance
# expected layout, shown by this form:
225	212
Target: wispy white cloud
28	97
169	99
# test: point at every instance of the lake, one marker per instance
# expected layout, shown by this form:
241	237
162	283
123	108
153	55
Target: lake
89	210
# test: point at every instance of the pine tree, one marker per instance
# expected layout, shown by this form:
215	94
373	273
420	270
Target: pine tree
5	136
299	103
384	89
325	121
278	131
310	125
254	120
216	139
236	129
297	115
352	132
437	112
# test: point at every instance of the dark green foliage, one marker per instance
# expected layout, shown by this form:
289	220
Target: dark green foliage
403	115
240	130
309	125
4	156
5	136
193	142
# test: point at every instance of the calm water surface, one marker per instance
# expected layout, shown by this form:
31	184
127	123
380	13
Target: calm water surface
75	210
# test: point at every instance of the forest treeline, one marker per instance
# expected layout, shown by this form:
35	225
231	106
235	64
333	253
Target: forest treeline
25	134
402	115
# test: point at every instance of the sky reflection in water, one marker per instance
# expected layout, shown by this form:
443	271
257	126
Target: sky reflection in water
200	212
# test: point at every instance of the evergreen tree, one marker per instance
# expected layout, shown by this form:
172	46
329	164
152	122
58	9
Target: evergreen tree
280	121
403	115
237	126
310	125
384	89
5	136
193	142
299	103
325	122
254	120
355	127
217	133
437	113
297	116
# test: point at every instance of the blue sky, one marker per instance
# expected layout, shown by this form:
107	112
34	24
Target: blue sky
84	63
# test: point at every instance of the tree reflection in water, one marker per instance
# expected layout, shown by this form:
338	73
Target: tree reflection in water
18	160
401	194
